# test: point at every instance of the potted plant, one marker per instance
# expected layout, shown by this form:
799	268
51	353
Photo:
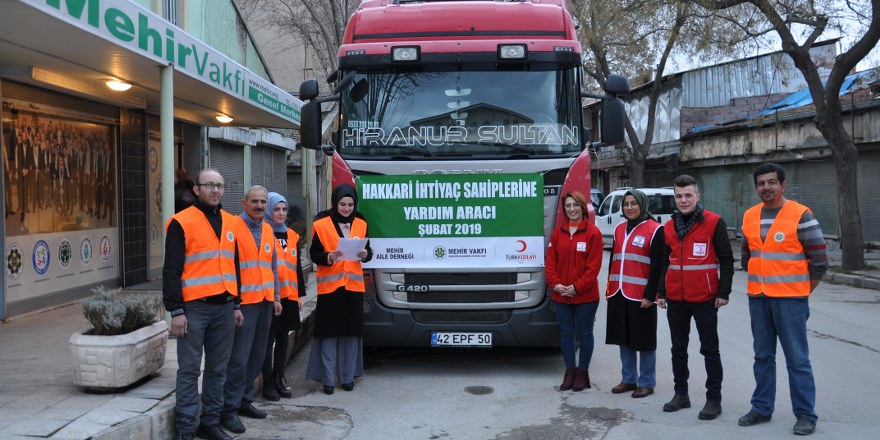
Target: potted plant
126	342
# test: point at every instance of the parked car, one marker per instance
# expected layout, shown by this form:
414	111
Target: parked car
661	203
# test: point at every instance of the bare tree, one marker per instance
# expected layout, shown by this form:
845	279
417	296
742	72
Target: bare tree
799	24
315	24
636	38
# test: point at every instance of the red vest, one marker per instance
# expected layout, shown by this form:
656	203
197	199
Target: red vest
287	281
255	263
693	266
631	260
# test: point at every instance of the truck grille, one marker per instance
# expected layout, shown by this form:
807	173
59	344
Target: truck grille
487	296
461	317
458	279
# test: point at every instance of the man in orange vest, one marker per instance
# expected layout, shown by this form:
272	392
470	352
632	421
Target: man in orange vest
697	250
200	286
260	298
784	252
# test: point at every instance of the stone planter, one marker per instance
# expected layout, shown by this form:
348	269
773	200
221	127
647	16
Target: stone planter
118	361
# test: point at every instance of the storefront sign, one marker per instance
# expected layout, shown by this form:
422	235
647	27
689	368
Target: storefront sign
140	30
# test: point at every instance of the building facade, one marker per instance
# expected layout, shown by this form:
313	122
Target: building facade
88	171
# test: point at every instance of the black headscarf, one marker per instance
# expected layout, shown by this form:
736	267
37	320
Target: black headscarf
642	200
341	191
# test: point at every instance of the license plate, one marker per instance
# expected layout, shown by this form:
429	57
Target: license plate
455	339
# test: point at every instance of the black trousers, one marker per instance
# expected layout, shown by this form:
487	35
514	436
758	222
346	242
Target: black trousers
706	318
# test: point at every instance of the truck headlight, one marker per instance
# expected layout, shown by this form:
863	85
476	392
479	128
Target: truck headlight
405	54
512	51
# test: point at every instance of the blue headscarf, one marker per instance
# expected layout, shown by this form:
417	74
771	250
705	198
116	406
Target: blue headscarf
274	199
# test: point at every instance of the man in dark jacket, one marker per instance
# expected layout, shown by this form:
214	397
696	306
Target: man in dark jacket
697	249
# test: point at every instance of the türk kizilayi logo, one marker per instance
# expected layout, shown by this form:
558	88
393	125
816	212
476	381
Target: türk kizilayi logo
13	261
520	247
439	252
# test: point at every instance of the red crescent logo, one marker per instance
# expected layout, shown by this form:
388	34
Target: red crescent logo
523	243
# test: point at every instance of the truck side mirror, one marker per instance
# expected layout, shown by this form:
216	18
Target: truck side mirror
613	121
310	125
308	89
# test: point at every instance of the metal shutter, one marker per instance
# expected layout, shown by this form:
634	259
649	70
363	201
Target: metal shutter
814	185
228	160
718	192
869	197
269	168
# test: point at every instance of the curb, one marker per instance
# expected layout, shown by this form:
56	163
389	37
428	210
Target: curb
852	280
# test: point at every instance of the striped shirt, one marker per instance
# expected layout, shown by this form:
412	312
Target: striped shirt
809	234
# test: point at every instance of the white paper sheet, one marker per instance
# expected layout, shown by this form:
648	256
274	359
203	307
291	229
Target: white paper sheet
350	248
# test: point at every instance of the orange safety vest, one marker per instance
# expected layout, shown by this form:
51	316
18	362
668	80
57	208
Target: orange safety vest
348	274
255	263
287	280
777	267
631	260
209	261
693	266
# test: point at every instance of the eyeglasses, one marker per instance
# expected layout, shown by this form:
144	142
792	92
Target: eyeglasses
213	186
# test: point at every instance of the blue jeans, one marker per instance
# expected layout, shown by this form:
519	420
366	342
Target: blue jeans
248	354
209	327
647	373
785	319
576	320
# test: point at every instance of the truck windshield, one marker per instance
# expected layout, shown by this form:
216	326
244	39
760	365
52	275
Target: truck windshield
475	114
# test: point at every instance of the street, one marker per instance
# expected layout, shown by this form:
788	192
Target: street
512	393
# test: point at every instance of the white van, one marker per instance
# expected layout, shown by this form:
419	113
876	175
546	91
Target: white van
661	203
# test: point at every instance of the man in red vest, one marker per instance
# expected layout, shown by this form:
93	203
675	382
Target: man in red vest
697	250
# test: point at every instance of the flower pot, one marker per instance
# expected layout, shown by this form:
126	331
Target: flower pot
120	360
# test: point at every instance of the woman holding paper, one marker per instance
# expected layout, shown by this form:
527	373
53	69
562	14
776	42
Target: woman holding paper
337	345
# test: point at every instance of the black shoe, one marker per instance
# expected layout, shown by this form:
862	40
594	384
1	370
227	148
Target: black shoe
753	418
328	389
678	402
348	386
281	385
711	410
270	392
804	426
248	410
232	424
211	432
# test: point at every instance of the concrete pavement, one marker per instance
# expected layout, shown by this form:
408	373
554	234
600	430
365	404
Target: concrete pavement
38	398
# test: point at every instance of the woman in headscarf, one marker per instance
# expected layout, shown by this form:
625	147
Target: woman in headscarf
633	278
337	344
293	288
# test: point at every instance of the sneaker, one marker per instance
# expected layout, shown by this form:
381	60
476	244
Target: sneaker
753	418
711	410
678	402
804	426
